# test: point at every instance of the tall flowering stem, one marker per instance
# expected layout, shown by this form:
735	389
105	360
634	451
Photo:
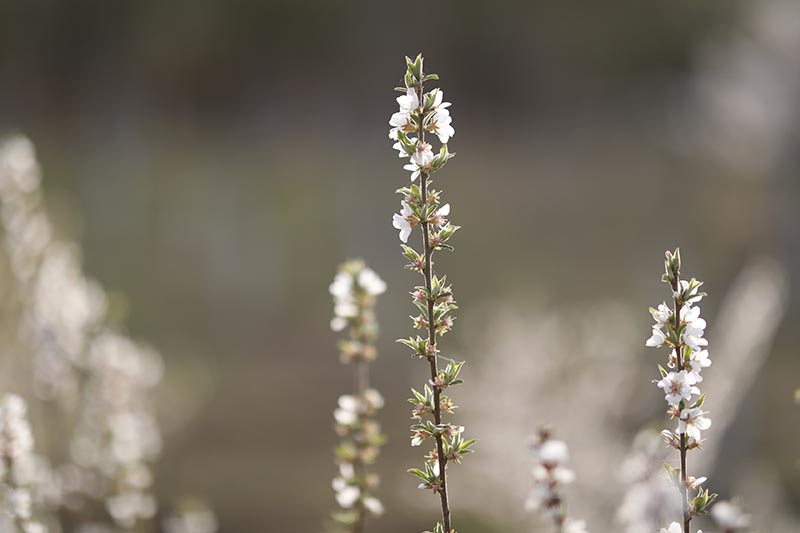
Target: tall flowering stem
354	291
680	329
424	113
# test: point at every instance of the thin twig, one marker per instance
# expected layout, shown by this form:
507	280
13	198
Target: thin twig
432	359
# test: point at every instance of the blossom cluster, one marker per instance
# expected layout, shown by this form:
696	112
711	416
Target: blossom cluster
419	113
16	448
550	473
82	365
61	306
681	329
354	291
117	435
422	113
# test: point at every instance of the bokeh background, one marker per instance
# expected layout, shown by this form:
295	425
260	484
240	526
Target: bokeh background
217	160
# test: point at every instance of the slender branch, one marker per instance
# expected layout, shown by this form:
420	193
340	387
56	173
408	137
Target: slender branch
420	113
684	488
684	336
432	358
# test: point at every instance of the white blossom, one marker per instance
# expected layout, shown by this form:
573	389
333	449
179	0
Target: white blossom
661	314
409	102
20	500
695	482
673	528
374	398
441	124
371	282
657	339
692	422
575	526
16	447
553	453
342	285
343	290
421	160
33	527
698	361
399	121
348	402
345	417
373	505
692	295
729	517
16	438
196	519
549	474
402	120
423	156
677	386
347	496
400	221
694	329
440	215
126	508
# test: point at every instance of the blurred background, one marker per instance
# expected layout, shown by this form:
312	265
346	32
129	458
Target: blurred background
216	161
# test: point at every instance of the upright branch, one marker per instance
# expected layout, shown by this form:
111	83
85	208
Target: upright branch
680	328
424	113
354	290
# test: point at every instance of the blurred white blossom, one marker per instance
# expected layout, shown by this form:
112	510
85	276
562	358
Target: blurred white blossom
550	473
16	447
729	517
194	518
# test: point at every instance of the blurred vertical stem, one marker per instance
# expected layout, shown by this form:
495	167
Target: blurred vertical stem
432	354
354	290
361	375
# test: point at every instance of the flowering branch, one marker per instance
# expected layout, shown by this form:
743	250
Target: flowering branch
354	290
549	474
422	113
681	329
101	378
